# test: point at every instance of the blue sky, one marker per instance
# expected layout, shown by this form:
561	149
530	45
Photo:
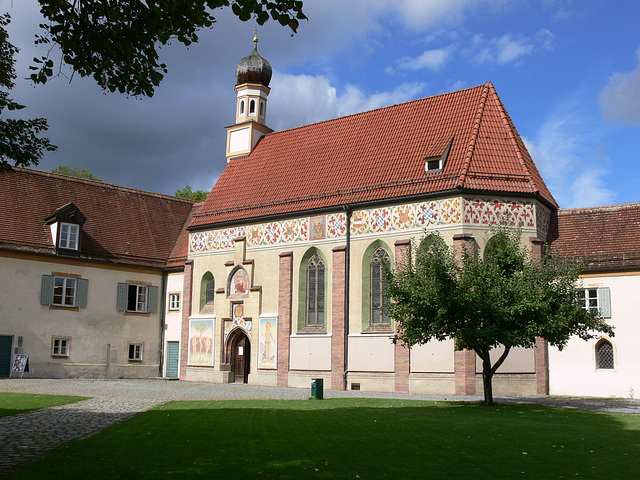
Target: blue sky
567	71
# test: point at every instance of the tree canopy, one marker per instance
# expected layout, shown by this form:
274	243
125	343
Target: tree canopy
117	43
506	298
20	140
75	172
186	192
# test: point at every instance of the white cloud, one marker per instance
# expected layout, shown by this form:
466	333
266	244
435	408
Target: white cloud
620	99
567	152
429	59
301	99
508	48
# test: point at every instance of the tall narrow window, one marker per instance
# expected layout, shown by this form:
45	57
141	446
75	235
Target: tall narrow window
211	291
604	355
378	286
315	291
241	107
252	107
261	108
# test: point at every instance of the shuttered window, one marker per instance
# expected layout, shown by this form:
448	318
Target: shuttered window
64	291
137	298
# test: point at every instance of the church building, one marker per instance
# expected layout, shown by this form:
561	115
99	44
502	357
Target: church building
286	253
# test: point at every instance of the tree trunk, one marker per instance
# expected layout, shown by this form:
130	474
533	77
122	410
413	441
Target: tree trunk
487	376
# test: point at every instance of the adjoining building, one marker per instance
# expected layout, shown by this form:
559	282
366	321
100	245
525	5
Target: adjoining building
85	269
607	240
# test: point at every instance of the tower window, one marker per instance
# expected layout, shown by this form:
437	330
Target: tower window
261	109
252	107
241	107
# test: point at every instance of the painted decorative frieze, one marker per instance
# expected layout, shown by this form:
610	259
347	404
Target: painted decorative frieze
427	214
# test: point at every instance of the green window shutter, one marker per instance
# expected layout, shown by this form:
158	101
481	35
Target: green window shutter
46	293
81	293
123	295
604	302
152	301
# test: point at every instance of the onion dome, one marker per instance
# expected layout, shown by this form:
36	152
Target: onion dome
254	68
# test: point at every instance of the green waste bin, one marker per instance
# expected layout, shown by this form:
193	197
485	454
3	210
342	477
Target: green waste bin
317	388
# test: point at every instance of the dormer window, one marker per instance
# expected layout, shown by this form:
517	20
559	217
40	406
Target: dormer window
435	163
69	234
65	225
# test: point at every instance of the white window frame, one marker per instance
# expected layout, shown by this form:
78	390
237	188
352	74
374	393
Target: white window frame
67	283
587	292
135	352
60	346
174	301
141	297
69	236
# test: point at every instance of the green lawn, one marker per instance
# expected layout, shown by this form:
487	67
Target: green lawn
14	403
351	439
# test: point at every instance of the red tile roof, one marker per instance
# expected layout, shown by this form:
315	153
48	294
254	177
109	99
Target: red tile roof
605	238
123	225
378	155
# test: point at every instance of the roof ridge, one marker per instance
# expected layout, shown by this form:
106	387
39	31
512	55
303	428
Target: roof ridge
474	136
111	186
506	119
366	112
568	211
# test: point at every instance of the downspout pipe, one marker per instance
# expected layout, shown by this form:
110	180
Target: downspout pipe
163	312
347	274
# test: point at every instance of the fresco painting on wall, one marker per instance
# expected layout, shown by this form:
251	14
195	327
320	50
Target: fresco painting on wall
267	356
201	343
239	284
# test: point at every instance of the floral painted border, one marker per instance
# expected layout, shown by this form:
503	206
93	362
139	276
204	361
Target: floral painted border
451	211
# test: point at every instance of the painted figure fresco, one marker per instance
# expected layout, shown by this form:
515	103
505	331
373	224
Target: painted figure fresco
201	343
239	284
267	357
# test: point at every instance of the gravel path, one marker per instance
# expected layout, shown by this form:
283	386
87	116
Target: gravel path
28	436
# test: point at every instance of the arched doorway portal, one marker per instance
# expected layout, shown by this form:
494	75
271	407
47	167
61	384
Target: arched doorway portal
239	355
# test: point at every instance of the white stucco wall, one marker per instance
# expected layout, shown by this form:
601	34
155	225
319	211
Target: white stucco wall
90	330
573	371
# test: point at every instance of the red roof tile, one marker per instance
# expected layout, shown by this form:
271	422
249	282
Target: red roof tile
604	237
378	155
123	225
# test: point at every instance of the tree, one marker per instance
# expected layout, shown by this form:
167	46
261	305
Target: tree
186	192
75	172
117	43
506	298
19	139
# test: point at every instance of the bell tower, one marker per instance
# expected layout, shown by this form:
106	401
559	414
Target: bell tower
253	75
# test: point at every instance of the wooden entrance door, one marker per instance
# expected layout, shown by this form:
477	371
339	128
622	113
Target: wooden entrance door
241	358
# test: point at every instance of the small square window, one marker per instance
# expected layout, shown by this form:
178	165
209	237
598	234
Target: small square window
69	236
60	347
135	352
174	301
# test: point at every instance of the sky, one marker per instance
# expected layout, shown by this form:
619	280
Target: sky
568	73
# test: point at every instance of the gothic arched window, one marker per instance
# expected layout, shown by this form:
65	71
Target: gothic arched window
379	302
315	291
604	355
